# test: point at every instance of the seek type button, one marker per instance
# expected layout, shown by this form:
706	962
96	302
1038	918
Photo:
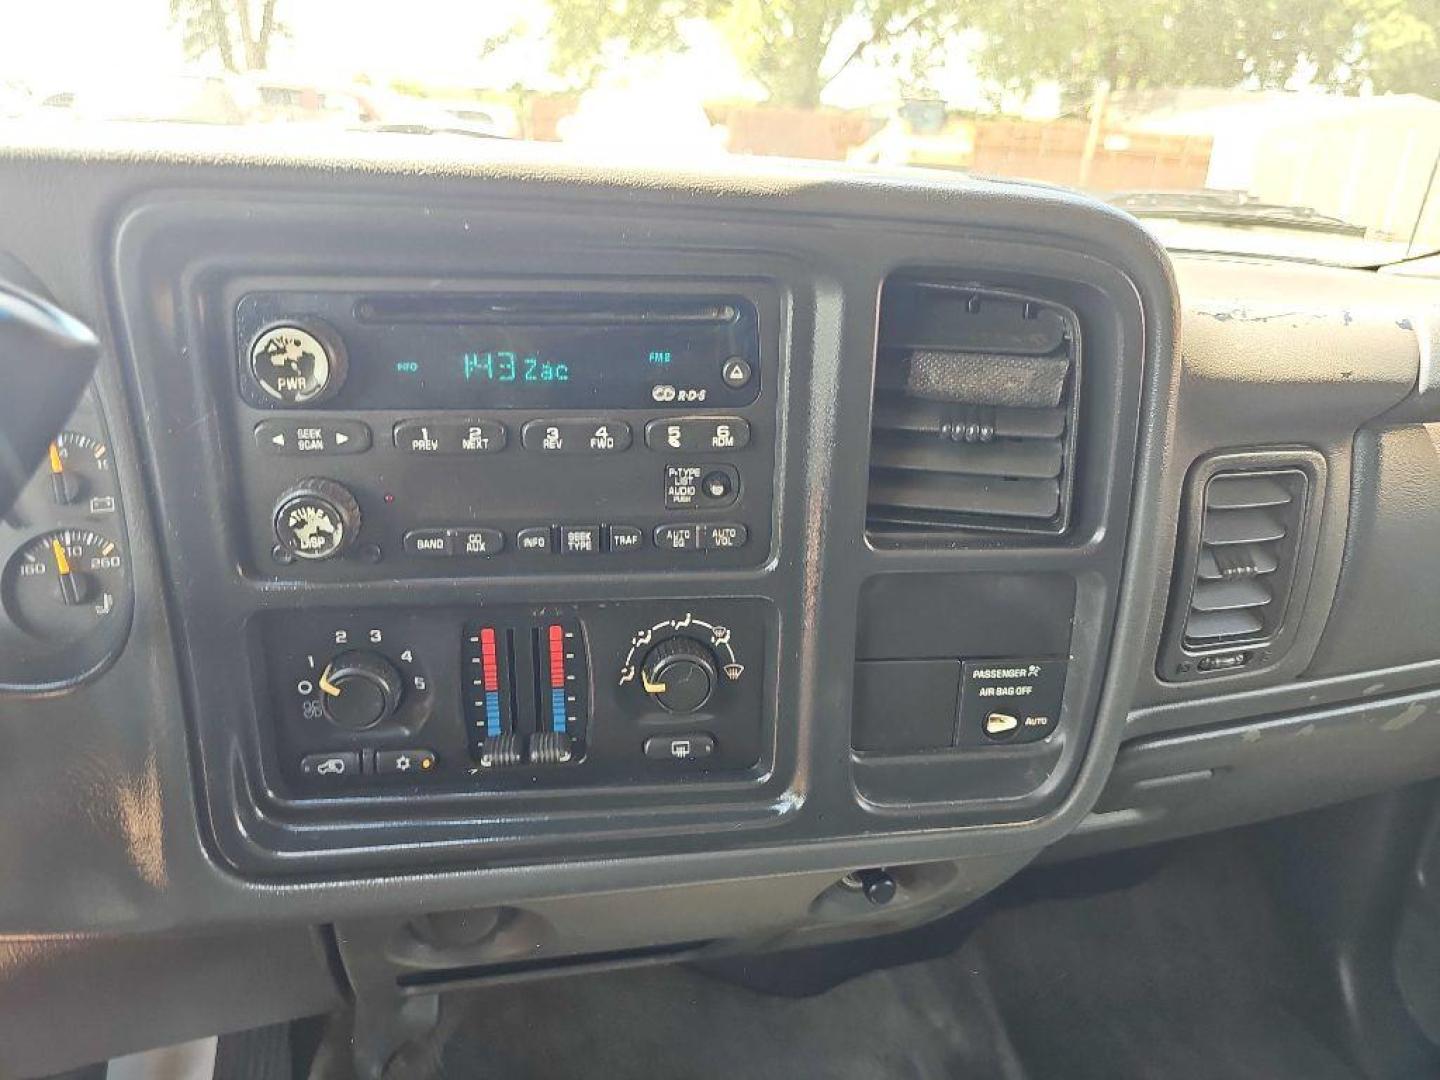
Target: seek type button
698	434
1009	700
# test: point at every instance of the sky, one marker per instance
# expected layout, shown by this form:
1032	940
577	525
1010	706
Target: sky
430	41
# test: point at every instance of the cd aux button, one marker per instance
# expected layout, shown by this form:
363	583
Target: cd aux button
476	542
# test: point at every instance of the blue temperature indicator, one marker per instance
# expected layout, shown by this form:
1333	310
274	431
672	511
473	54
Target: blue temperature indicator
407	367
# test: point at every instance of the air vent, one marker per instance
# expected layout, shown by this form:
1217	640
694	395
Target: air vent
973	425
1244	552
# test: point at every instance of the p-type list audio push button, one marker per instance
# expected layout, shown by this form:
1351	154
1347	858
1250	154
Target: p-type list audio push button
698	487
1010	700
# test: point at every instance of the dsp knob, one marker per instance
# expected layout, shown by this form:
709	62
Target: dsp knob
359	689
298	363
317	519
679	674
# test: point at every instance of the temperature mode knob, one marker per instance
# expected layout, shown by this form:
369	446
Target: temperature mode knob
679	674
317	519
359	689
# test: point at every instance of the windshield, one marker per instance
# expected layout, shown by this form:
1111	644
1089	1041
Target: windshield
1304	129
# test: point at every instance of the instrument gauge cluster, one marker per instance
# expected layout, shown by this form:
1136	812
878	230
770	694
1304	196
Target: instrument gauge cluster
65	594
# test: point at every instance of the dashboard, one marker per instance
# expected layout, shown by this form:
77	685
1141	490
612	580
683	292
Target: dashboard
460	567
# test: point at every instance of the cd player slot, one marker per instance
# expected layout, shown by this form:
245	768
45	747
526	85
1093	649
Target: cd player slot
541	309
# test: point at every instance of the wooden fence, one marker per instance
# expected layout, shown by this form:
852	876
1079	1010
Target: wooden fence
1052	151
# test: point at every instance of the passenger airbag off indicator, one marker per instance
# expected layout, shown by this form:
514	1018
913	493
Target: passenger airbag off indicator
1009	700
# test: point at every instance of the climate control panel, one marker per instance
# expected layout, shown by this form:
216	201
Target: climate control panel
516	698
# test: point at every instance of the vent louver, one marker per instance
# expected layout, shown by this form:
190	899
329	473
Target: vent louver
1249	523
1246	553
974	414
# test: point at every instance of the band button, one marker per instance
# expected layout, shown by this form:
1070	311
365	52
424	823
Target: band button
430	543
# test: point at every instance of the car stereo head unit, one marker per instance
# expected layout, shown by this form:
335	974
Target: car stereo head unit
487	350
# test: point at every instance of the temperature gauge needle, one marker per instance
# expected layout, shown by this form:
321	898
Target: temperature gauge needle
69	586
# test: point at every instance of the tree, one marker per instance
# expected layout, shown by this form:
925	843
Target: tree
239	31
1386	45
1137	44
787	45
588	35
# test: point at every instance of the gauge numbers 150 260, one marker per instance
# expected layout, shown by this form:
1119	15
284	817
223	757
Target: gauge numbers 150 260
62	584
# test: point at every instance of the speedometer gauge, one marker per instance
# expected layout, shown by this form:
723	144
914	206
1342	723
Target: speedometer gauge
62	584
